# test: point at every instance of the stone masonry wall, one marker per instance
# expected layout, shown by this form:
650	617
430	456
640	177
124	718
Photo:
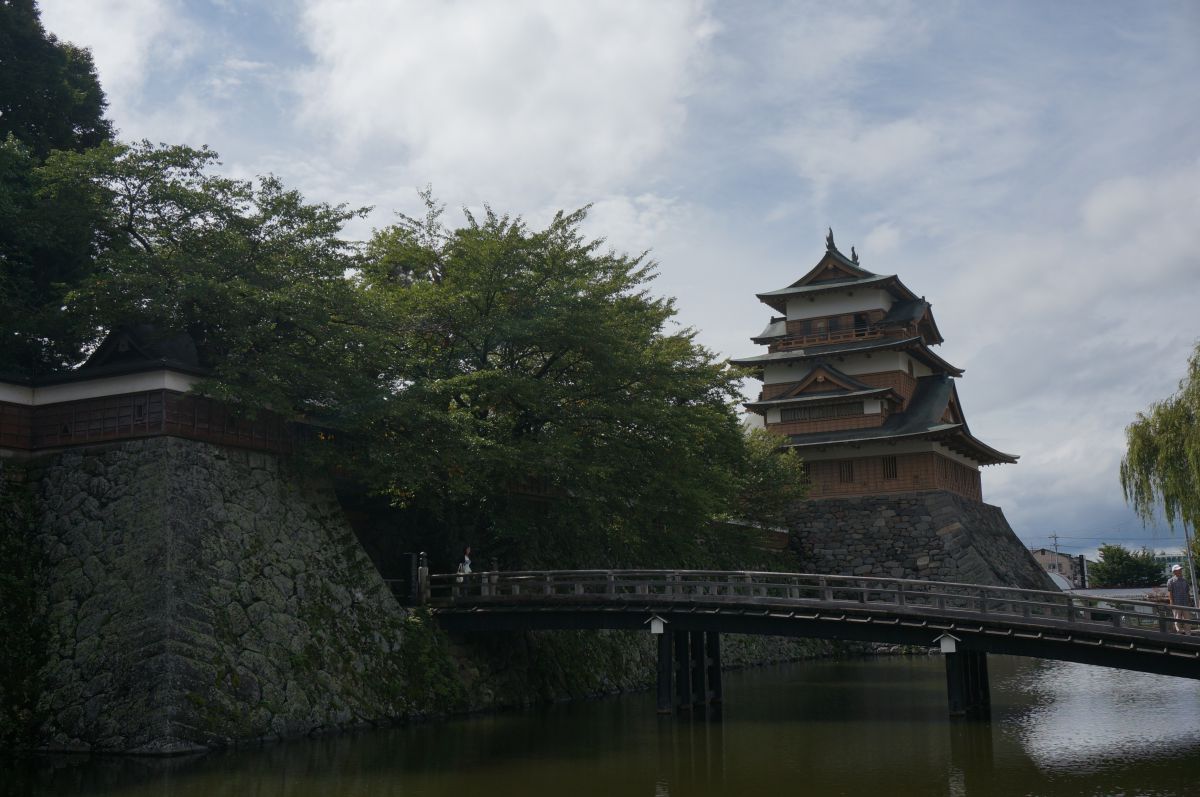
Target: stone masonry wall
197	596
934	535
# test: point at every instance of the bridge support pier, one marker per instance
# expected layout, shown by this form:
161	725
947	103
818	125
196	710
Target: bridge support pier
712	644
689	670
666	669
967	689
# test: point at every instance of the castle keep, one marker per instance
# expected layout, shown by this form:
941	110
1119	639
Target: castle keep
850	378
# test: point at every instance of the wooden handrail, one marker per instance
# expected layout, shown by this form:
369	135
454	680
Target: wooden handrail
827	336
749	587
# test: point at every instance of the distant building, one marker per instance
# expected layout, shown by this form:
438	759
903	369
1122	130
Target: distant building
1169	558
1072	568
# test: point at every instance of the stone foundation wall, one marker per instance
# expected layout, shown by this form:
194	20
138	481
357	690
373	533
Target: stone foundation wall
934	535
198	596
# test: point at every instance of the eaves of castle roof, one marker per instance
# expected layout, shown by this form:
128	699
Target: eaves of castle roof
914	345
923	419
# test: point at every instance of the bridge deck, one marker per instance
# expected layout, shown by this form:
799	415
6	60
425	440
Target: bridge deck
1136	635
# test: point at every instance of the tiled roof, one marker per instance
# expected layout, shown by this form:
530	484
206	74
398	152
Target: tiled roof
922	419
915	345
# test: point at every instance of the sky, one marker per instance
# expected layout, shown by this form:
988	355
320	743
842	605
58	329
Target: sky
1031	168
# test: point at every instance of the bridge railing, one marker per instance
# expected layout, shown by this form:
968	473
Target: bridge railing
804	589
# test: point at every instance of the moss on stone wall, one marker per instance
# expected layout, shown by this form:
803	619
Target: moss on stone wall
22	609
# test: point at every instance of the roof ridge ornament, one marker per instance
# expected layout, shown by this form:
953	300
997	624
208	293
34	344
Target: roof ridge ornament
853	256
829	245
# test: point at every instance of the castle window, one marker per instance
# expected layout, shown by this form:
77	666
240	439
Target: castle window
823	412
889	467
846	471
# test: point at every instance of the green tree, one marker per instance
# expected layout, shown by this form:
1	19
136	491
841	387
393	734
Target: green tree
48	243
50	97
533	362
1120	567
1161	467
519	388
254	274
50	100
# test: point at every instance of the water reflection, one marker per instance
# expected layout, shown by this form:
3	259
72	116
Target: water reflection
1068	728
818	728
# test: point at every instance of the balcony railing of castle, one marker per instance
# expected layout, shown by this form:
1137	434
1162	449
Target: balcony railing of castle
822	337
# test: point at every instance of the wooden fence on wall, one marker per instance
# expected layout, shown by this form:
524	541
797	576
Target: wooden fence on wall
141	414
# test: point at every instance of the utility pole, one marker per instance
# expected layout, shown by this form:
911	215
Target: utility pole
1057	566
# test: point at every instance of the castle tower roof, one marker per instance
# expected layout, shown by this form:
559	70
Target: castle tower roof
850	370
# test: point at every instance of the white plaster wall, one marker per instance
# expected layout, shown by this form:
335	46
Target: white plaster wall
919	368
96	388
16	394
851	364
874	362
850	301
774	373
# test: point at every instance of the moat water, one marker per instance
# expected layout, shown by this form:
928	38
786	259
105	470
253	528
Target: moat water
858	727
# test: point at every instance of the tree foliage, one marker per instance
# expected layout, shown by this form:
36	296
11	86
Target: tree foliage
50	97
1161	467
518	388
1120	567
545	397
50	100
254	274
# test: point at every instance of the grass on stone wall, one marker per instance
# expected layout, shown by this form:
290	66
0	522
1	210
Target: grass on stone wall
431	681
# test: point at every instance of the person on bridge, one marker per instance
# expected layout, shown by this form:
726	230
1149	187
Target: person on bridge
1180	596
464	567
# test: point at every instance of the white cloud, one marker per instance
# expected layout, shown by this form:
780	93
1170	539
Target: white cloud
1005	169
882	239
125	37
529	98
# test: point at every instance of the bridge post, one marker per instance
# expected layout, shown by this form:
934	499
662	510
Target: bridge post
699	669
967	689
665	672
712	643
683	670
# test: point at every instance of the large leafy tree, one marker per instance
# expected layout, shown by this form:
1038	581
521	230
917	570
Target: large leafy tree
518	388
48	243
50	97
1161	468
546	403
1120	567
253	273
50	100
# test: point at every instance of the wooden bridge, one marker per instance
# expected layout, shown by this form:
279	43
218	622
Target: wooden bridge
687	610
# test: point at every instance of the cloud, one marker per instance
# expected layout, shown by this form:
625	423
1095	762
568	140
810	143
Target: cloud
125	36
1032	172
882	239
526	98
